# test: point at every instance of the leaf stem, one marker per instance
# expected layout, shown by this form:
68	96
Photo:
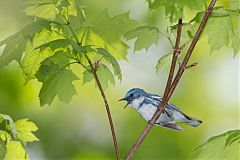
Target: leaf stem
94	72
170	87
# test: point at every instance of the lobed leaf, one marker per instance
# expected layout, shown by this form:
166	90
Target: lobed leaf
16	44
7	124
56	79
146	36
13	50
224	146
174	8
55	44
106	32
24	131
15	151
33	57
42	10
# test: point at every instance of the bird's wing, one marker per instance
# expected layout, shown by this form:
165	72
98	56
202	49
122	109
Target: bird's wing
173	126
169	105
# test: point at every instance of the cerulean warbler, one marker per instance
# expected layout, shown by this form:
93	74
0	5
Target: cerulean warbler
146	104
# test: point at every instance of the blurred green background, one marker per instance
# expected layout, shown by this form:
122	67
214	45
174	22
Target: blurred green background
80	130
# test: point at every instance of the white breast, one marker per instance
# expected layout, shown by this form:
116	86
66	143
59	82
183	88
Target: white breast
137	102
147	111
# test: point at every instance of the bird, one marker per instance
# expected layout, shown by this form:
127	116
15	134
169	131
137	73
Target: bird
146	104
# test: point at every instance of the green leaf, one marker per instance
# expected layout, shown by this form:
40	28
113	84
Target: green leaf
112	60
13	50
105	76
56	79
106	32
233	137
164	62
16	44
224	146
2	148
55	44
236	34
222	29
174	8
87	76
32	59
7	124
34	2
44	10
31	29
15	151
218	31
146	36
25	129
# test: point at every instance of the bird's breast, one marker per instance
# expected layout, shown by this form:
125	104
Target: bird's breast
147	111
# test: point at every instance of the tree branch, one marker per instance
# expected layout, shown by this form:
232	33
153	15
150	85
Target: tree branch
94	72
170	88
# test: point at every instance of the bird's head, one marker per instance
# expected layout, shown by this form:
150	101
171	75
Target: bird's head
133	94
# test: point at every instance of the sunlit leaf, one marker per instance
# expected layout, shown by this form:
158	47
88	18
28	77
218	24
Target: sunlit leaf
33	57
55	44
43	10
106	32
25	129
146	36
7	124
174	8
15	44
236	34
13	137
15	151
224	146
218	31
2	148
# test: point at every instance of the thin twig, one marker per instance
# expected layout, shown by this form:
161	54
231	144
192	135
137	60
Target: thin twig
172	87
94	72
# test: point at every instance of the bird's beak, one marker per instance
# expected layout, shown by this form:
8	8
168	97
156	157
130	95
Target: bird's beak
126	105
124	99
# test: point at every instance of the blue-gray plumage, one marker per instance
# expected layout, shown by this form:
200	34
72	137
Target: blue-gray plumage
146	104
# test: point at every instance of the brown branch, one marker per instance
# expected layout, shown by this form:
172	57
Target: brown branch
161	108
94	72
169	89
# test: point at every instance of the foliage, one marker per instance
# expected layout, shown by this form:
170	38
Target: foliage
164	62
64	34
222	29
146	36
14	137
224	146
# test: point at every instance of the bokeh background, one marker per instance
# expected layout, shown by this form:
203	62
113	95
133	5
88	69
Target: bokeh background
80	129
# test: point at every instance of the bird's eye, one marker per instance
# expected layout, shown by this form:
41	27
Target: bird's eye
131	95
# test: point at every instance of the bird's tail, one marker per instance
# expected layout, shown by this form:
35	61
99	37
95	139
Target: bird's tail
194	122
